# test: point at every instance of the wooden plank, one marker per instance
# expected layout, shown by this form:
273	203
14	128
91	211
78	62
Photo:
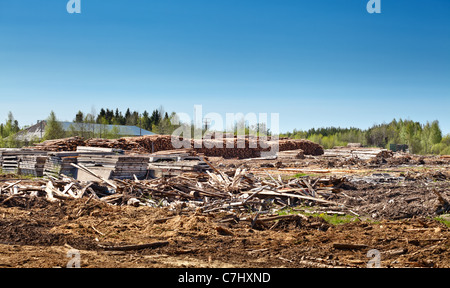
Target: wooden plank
134	247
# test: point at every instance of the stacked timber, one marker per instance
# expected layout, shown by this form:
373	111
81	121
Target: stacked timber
129	166
360	153
174	155
66	144
32	165
170	168
22	161
120	166
291	154
248	147
99	150
10	164
60	163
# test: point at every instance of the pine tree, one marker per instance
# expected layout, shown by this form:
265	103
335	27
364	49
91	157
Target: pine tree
53	129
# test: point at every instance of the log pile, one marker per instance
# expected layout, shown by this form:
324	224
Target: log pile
308	147
66	144
227	148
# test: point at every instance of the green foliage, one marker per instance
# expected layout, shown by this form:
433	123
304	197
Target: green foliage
444	219
54	129
7	132
420	138
133	118
333	219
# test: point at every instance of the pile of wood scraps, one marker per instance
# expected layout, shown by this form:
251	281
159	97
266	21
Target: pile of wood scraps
238	193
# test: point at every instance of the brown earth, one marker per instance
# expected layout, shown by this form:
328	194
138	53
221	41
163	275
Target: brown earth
40	234
395	217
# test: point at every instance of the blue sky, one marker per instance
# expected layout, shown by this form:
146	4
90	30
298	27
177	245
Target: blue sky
316	63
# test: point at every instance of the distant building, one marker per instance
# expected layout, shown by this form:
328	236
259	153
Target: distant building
37	131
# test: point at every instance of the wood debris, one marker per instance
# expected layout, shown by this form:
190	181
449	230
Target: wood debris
237	191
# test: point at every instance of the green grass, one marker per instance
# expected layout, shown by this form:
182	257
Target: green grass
299	175
333	219
443	220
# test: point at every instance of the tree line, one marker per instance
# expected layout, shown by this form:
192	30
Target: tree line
421	138
158	121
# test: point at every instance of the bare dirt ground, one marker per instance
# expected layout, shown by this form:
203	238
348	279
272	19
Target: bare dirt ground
395	217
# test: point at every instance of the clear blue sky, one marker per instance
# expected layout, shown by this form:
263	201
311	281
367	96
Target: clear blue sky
317	63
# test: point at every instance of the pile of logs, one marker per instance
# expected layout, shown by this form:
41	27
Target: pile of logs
226	148
308	147
66	144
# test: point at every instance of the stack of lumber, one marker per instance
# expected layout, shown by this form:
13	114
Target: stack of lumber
174	155
60	163
129	166
121	167
99	150
165	168
22	161
361	153
291	154
446	157
10	164
32	165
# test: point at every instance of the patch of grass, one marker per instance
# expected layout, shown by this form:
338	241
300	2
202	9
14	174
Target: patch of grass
445	219
299	175
338	219
333	219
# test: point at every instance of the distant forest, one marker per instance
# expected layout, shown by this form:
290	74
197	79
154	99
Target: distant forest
421	138
157	121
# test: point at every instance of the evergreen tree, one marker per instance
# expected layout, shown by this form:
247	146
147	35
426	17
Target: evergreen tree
53	129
